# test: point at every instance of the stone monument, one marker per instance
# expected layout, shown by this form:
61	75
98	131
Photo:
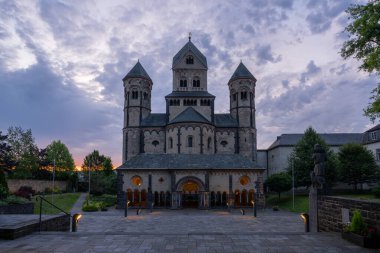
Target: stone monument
318	181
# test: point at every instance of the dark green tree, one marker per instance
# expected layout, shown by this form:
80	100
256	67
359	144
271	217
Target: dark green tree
97	162
364	44
279	182
5	165
58	154
301	159
24	152
357	164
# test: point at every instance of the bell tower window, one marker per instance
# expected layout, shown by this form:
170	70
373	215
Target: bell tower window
189	60
196	82
135	94
244	95
183	83
190	141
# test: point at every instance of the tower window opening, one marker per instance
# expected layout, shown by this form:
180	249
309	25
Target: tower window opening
205	102
196	83
224	143
155	143
189	60
234	97
183	83
135	94
190	141
244	95
145	96
190	102
209	143
170	142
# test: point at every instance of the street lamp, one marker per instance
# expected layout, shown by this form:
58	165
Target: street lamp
89	180
293	164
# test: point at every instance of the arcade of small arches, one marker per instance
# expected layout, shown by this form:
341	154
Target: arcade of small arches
190	193
189	102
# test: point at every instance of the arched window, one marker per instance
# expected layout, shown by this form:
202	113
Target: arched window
209	143
224	143
190	141
189	59
183	83
234	97
135	94
155	143
196	82
145	96
244	95
170	142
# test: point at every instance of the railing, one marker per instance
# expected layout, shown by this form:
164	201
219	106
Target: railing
43	199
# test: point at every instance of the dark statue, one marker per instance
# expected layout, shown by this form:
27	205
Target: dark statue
318	174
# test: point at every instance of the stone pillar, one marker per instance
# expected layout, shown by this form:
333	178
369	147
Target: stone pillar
120	192
313	209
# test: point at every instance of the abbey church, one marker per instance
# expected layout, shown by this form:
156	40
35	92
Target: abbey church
189	156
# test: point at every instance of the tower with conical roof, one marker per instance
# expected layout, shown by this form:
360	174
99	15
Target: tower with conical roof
137	106
242	107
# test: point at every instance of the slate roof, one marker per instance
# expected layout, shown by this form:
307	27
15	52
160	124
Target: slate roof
137	71
154	120
225	120
189	115
337	139
377	127
188	161
189	46
241	72
189	94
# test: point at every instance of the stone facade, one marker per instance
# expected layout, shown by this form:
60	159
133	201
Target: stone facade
26	208
189	131
330	213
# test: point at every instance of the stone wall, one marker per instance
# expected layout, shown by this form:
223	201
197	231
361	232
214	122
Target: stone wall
330	214
26	208
37	185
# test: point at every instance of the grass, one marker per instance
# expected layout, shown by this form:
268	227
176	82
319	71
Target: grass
301	202
64	201
101	201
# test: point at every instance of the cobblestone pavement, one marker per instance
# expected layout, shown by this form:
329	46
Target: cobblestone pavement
185	231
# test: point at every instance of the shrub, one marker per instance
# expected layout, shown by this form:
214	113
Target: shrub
357	225
56	190
376	191
12	199
90	208
103	184
25	192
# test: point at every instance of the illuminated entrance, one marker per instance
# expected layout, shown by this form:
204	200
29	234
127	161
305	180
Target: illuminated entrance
190	194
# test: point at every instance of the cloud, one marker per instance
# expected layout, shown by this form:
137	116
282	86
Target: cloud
311	70
264	54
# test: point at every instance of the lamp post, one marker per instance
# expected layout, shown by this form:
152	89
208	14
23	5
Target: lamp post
293	180
52	190
89	180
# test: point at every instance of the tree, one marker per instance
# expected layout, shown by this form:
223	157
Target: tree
97	162
5	164
58	153
357	164
279	182
364	44
301	159
24	151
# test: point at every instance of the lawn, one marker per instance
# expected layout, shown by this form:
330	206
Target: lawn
361	196
301	202
64	201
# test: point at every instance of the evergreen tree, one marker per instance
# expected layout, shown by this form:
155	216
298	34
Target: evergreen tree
357	164
301	159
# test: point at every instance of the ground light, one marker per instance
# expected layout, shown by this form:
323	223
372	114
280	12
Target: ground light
254	208
75	221
306	221
126	208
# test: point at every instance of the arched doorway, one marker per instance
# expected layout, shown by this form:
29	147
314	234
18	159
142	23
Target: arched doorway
190	189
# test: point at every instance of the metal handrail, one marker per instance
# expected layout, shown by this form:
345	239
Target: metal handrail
42	198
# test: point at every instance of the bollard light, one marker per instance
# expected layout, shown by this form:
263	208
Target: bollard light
306	221
242	211
126	209
75	221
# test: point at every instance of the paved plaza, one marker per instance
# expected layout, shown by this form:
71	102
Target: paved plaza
184	231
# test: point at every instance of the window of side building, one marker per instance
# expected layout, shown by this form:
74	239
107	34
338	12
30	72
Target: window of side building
373	136
377	154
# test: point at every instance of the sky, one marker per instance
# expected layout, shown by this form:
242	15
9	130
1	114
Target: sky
62	64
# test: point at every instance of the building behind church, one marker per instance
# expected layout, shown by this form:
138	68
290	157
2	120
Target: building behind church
189	156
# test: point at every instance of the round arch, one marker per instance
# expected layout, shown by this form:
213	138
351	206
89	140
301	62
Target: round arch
190	179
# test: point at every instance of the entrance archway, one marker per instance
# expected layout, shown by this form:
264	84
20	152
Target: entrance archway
190	187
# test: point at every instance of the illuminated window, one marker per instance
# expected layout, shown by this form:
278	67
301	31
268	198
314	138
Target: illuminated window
136	180
244	180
